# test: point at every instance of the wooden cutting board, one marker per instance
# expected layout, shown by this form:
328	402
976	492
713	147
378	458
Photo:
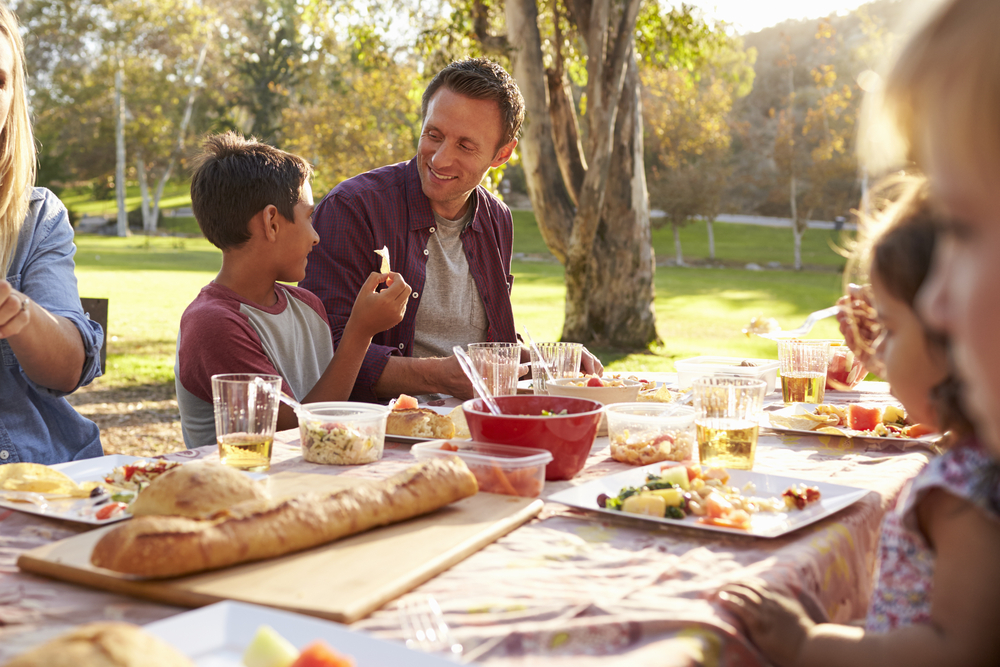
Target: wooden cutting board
342	581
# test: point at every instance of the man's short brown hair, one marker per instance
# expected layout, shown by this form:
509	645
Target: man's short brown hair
482	79
235	178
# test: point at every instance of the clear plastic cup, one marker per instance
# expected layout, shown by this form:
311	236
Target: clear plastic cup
245	418
498	365
727	418
563	360
803	370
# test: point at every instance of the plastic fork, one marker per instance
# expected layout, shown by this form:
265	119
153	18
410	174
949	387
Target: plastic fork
426	630
806	326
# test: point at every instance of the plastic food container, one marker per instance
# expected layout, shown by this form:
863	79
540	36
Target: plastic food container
569	437
342	432
512	471
644	433
689	370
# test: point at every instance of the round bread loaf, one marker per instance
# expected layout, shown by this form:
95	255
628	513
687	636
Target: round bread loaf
196	490
103	644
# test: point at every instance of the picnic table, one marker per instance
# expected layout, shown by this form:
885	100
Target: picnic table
568	587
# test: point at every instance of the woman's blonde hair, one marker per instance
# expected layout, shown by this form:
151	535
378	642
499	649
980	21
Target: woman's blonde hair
952	65
17	148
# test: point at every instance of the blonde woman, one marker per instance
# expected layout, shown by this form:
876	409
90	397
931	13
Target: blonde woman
47	344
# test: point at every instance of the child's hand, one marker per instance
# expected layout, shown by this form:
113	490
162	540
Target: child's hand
374	312
776	623
859	326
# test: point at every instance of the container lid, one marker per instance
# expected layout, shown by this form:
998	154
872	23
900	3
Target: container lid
472	452
653	413
732	363
345	409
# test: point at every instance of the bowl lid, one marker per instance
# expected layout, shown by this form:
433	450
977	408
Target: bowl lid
487	453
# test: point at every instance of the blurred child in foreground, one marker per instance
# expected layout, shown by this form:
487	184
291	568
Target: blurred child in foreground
944	94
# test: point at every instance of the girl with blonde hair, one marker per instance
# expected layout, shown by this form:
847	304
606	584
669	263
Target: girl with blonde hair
943	95
48	346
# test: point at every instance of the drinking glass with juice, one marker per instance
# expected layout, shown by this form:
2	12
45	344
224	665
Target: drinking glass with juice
246	415
803	370
728	411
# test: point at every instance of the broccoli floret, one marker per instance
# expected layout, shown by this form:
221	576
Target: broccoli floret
675	513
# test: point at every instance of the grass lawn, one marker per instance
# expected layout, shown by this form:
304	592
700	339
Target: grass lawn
150	280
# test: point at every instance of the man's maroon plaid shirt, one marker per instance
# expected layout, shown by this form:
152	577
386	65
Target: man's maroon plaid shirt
387	206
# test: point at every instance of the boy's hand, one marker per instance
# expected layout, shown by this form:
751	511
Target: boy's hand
374	312
777	624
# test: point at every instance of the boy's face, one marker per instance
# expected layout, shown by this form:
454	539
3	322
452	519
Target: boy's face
961	296
297	239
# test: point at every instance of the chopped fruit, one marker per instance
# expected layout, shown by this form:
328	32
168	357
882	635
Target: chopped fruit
319	654
405	402
269	649
918	430
861	418
650	505
595	382
677	475
800	496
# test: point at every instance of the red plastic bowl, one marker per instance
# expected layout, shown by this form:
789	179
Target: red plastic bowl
569	437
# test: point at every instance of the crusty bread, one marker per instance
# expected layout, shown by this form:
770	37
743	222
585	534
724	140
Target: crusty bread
196	490
103	644
159	546
419	423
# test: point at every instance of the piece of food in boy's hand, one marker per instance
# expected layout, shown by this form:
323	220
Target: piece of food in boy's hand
383	252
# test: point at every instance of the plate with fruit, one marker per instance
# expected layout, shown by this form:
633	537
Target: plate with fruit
854	420
236	634
739	502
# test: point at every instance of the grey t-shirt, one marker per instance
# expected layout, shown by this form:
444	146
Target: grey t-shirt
451	311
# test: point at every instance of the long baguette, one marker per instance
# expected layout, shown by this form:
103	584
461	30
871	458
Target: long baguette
165	546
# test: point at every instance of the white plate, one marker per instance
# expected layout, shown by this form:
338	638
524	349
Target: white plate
72	509
833	498
808	408
217	635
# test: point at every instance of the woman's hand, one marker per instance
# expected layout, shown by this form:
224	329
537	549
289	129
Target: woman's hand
859	325
15	310
777	624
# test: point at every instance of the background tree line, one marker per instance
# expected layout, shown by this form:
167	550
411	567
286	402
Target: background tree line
631	104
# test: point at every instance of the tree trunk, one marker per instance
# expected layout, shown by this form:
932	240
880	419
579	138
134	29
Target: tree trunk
606	241
711	239
181	132
148	225
120	152
678	253
549	199
620	313
796	232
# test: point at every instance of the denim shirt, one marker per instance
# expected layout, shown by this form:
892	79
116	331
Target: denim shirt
37	424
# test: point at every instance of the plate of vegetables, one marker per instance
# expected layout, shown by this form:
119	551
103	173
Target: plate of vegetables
740	502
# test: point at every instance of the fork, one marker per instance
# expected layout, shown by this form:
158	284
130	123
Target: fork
806	326
426	630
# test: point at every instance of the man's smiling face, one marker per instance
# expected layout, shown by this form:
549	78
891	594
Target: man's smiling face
459	143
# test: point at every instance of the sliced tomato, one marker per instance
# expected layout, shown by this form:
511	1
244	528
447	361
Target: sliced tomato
109	510
595	382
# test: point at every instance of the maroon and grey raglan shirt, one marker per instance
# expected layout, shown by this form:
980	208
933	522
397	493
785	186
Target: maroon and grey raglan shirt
221	332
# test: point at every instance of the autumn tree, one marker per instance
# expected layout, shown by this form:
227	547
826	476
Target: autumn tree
686	111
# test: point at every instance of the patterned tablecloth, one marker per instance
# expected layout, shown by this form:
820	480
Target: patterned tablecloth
566	588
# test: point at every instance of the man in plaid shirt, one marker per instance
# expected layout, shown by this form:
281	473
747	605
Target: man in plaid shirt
446	234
